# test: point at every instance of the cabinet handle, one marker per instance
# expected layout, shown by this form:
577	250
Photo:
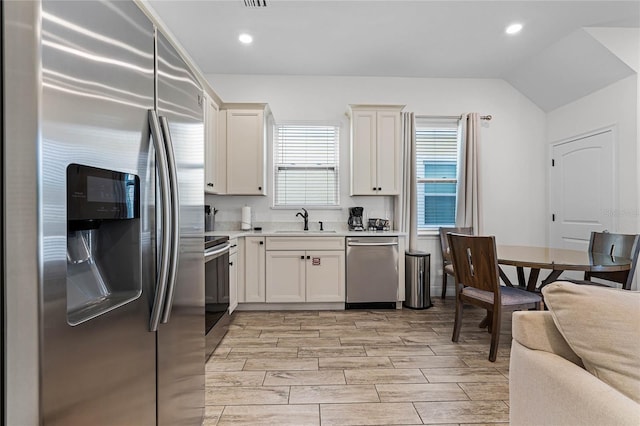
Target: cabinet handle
374	188
230	263
259	188
379	188
308	257
302	257
209	184
261	242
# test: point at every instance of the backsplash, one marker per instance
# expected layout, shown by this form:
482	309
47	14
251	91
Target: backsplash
262	214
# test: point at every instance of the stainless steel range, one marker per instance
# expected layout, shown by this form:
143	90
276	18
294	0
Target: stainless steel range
216	289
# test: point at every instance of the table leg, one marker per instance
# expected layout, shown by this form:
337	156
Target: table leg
553	276
533	279
520	271
484	323
504	277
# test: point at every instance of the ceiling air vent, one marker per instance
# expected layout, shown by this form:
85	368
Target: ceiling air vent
255	3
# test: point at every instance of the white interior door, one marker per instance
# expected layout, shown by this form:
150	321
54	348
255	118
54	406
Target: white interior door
582	189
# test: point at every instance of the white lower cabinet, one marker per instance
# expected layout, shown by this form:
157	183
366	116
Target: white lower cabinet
298	272
233	275
254	271
286	276
325	276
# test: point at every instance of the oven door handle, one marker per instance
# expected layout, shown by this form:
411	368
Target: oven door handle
216	252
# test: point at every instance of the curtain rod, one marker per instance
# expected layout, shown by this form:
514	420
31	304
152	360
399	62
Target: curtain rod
482	117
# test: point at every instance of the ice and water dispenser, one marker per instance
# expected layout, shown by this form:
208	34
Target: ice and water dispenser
104	265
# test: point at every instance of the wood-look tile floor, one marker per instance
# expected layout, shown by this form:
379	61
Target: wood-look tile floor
358	367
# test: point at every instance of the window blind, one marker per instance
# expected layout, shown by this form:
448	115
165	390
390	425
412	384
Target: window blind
436	171
306	165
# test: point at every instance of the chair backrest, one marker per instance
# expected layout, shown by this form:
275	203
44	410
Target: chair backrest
620	245
475	262
444	242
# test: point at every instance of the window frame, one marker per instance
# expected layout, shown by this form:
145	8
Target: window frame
432	123
277	166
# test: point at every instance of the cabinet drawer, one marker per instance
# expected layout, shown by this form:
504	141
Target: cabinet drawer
305	243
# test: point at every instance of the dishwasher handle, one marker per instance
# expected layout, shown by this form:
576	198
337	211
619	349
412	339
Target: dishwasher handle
356	244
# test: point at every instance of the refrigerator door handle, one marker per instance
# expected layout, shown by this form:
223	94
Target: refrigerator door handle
175	216
165	248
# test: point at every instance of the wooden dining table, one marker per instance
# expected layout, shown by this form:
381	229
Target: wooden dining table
556	260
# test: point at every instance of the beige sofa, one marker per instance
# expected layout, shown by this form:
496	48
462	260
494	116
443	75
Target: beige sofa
550	384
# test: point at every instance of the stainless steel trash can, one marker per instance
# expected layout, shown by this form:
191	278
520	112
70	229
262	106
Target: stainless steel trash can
417	281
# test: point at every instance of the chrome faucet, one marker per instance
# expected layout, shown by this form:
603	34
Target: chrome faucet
305	216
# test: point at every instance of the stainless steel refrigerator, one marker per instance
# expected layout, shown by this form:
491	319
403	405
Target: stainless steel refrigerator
103	265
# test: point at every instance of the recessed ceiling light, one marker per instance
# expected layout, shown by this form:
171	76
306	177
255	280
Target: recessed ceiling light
245	38
513	29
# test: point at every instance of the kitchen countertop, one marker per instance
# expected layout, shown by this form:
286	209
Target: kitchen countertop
285	233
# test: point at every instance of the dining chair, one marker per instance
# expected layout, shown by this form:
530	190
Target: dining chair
477	280
447	267
614	245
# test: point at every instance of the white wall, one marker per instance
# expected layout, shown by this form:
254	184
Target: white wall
512	151
617	105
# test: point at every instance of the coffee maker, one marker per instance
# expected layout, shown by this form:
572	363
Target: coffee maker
355	222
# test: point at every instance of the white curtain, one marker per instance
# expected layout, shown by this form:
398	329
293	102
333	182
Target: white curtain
406	208
468	206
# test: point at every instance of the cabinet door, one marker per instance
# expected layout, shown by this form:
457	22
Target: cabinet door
388	152
254	271
221	150
363	153
285	276
211	151
325	276
233	281
245	152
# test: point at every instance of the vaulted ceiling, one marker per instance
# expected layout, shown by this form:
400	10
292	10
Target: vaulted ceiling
559	56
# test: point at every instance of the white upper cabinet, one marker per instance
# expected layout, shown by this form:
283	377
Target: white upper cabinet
375	149
246	137
213	150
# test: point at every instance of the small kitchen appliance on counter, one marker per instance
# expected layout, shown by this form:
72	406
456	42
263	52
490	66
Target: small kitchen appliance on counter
378	224
355	222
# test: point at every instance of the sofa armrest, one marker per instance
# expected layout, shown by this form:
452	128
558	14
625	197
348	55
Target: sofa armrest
546	389
536	330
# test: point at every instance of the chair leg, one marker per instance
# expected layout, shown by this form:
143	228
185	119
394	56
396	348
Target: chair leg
458	320
444	283
487	322
495	335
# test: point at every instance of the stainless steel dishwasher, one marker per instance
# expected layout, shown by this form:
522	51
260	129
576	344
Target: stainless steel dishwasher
372	272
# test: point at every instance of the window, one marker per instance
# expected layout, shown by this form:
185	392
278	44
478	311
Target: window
436	171
306	165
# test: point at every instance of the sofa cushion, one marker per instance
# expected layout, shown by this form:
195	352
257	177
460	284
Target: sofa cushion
536	330
602	326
